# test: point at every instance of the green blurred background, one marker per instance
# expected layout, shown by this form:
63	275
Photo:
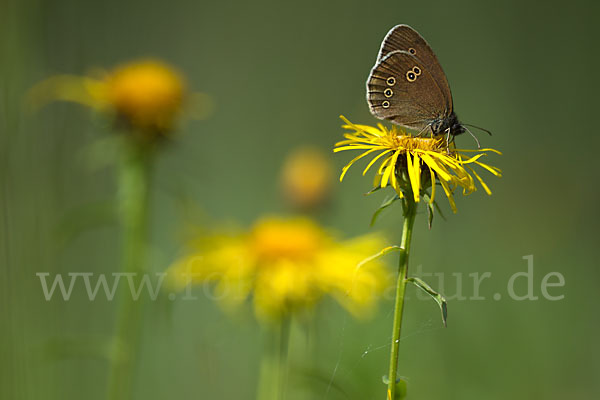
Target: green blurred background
280	74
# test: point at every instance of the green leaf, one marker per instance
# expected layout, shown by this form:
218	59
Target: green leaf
382	253
441	300
400	390
386	203
401	387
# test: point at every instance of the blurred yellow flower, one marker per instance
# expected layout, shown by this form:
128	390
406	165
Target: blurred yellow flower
148	95
286	265
404	157
306	178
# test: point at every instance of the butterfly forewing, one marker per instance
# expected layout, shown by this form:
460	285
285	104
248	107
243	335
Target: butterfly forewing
403	37
402	90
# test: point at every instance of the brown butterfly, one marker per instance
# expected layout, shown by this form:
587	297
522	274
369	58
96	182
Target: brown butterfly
407	85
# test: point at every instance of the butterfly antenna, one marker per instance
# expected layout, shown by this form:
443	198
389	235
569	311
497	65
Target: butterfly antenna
471	133
478	127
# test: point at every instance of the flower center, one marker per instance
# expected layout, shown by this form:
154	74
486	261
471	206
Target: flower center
411	143
146	92
296	240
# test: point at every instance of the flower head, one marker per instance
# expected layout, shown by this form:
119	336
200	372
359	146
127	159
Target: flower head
411	165
148	95
286	265
306	178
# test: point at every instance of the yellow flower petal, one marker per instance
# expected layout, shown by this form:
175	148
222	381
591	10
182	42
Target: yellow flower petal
493	170
345	169
452	168
431	199
286	265
391	169
485	187
375	160
449	195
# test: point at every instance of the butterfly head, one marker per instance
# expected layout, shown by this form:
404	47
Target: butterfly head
449	125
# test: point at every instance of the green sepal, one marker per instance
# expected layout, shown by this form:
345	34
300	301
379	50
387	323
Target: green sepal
439	210
386	203
439	299
372	190
431	208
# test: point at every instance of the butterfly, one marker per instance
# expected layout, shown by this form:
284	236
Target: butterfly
408	87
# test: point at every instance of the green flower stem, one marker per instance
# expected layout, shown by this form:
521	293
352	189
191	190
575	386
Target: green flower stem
133	196
410	212
274	368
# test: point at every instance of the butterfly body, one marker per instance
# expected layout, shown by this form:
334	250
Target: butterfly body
408	87
447	125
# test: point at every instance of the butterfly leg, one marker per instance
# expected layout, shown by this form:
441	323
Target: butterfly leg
422	131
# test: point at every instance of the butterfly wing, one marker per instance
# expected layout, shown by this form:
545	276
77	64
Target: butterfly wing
402	90
403	37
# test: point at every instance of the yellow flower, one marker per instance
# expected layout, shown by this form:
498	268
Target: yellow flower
286	265
404	158
148	95
306	178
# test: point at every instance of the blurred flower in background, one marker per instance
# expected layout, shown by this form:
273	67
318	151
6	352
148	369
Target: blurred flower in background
306	178
146	99
286	265
147	95
404	156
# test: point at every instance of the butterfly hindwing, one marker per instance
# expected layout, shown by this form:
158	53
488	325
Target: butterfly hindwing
401	89
403	37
